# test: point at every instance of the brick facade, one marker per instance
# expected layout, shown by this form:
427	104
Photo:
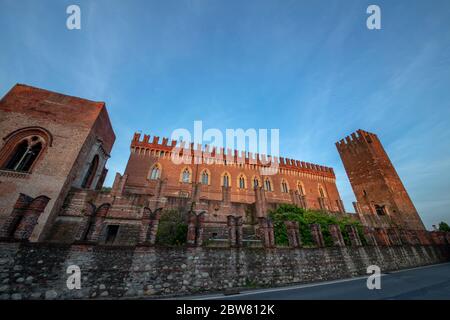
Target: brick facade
378	189
225	195
71	129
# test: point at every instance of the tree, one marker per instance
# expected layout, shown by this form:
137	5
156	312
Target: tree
444	227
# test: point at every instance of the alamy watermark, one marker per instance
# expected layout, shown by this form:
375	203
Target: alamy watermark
374	280
260	147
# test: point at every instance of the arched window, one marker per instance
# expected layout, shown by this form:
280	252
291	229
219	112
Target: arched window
267	184
241	182
205	177
90	174
155	174
255	182
322	193
226	180
300	188
24	154
284	187
23	148
186	176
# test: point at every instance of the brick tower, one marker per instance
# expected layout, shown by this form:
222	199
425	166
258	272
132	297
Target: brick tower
379	191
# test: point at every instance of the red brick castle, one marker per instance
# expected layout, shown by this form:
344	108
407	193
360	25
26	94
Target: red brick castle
52	166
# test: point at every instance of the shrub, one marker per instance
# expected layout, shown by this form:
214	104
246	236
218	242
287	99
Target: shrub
172	229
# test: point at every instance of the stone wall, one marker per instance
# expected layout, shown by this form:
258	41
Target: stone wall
38	271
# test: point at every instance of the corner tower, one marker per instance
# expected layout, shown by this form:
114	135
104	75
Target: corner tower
375	182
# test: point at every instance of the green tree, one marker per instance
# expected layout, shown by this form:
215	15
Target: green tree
444	227
172	228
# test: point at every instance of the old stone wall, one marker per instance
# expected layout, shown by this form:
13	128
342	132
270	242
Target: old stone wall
38	271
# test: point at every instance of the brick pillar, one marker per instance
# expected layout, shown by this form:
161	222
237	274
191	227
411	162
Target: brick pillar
303	202
83	228
12	221
369	235
97	229
405	237
260	202
293	234
266	232
353	235
239	231
231	231
143	232
317	236
413	236
336	235
192	229
200	229
382	237
394	237
270	233
30	217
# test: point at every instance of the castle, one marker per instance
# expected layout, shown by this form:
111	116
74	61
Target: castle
55	147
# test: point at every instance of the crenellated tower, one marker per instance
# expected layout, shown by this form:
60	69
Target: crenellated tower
380	193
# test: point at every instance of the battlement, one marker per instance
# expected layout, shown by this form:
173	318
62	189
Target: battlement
228	156
360	137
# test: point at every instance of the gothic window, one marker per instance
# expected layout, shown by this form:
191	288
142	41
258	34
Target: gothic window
186	176
255	182
156	172
322	193
90	174
284	187
205	177
267	184
24	153
226	180
241	182
300	188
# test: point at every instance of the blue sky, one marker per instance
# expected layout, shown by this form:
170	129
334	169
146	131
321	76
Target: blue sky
310	68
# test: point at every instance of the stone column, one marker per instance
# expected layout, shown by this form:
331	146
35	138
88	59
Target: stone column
336	235
354	236
317	236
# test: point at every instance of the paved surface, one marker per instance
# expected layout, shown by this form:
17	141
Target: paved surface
430	282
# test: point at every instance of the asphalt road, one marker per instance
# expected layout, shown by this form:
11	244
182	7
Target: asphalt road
429	282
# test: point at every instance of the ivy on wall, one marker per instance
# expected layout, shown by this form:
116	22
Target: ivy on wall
306	217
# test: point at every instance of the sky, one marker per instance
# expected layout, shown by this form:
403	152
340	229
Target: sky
311	69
